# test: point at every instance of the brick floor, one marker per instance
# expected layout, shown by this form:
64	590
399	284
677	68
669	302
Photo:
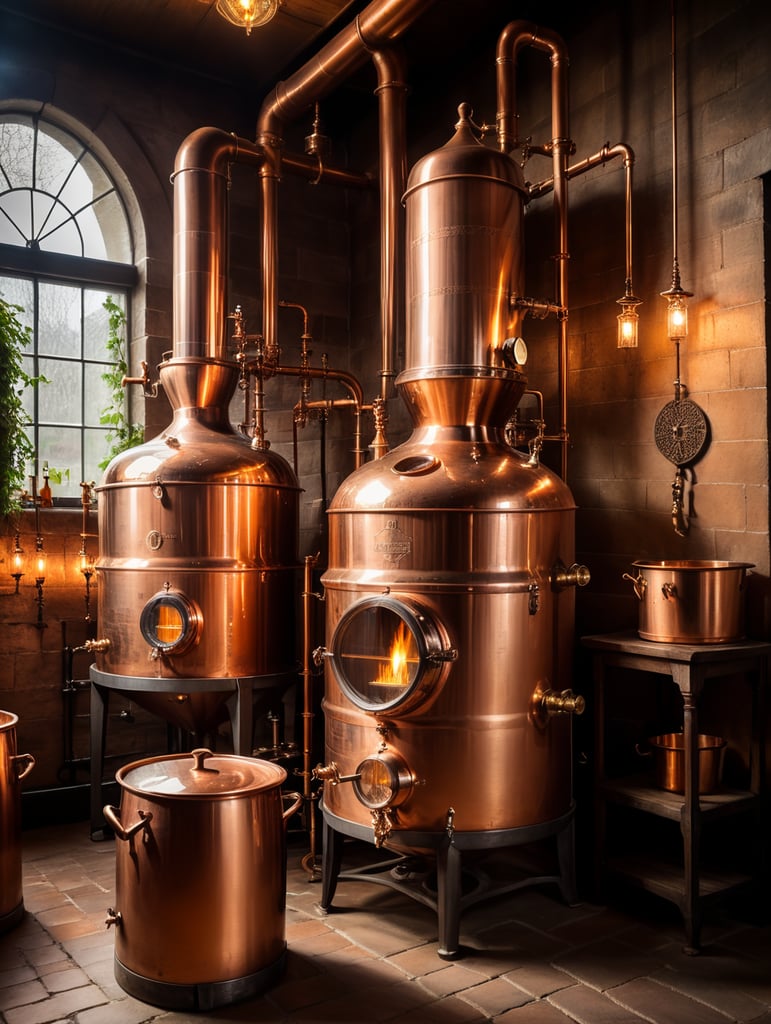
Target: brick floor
527	958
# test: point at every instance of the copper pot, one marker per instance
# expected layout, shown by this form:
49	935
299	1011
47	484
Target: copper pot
669	761
13	768
200	878
690	602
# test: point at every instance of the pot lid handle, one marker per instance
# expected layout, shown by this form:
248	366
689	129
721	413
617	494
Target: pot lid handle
199	755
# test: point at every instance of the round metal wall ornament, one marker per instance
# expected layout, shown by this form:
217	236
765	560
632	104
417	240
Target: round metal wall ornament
681	431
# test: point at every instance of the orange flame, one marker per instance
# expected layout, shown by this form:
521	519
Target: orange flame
396	672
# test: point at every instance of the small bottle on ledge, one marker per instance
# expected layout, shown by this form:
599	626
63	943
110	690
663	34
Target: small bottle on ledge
46	499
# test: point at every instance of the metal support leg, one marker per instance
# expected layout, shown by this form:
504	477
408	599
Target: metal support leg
100	699
448	872
331	861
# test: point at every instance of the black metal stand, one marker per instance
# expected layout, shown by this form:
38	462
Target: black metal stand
237	696
447	899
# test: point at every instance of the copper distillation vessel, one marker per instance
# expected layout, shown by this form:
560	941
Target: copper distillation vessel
451	581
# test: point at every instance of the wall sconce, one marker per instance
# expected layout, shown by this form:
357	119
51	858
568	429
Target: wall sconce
40	578
17	562
248	14
86	567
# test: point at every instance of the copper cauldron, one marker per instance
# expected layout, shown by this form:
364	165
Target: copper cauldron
13	768
200	878
690	601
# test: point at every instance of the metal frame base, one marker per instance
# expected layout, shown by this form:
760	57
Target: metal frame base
205	996
448	899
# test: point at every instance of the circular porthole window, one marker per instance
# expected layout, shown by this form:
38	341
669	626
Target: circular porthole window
383	780
389	654
170	623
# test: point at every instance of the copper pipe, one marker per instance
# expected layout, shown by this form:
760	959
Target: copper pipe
309	861
597	159
200	238
346	379
379	25
515	36
310	168
392	92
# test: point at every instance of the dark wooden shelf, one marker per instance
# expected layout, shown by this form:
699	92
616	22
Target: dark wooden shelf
636	791
690	881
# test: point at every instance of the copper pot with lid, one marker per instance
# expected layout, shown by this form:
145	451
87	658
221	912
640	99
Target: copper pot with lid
690	601
200	878
13	768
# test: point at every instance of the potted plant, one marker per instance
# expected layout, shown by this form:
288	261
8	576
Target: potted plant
123	433
16	449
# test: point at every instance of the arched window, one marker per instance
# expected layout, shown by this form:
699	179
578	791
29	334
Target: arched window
65	247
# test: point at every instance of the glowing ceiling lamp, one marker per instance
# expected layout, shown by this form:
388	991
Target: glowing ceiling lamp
248	14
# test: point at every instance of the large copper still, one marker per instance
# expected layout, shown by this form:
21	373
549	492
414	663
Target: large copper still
198	563
450	586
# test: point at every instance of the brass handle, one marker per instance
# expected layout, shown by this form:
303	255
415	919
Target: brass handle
638	582
297	799
566	702
24	763
113	917
112	816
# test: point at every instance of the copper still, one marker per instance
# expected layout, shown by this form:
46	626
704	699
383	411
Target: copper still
198	562
450	586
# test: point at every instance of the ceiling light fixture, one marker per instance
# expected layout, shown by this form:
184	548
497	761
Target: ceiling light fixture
248	14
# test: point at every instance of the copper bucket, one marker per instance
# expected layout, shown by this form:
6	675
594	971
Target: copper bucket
13	768
200	878
669	760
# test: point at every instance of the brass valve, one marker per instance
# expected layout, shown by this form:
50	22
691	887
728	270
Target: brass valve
576	576
565	702
331	773
97	646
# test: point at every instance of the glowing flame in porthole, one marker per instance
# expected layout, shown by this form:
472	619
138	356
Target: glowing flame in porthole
403	654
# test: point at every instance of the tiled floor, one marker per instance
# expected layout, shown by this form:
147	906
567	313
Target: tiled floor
529	959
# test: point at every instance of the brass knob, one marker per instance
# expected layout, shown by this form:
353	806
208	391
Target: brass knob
576	576
565	702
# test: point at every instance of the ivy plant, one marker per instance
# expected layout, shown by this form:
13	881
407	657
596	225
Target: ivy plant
16	448
123	434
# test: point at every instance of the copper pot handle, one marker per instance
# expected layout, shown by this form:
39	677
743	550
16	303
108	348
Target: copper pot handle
112	816
638	582
24	764
297	799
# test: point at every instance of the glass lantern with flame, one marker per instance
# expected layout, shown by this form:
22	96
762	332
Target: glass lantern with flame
389	654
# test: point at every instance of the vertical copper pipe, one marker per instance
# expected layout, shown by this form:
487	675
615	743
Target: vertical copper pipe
514	37
379	25
392	92
201	239
309	862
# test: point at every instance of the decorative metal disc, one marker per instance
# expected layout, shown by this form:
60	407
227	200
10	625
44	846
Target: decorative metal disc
681	431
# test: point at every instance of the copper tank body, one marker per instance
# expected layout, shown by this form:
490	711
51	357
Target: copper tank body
465	533
13	768
200	878
197	553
